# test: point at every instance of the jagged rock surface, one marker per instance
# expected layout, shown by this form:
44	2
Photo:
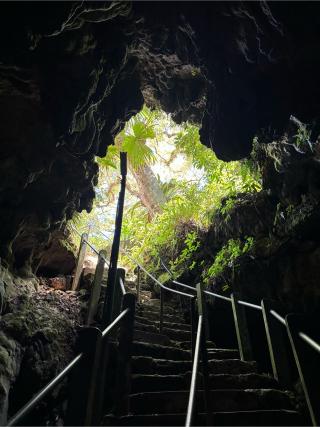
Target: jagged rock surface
38	332
283	220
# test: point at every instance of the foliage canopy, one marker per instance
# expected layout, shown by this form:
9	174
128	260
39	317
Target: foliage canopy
191	178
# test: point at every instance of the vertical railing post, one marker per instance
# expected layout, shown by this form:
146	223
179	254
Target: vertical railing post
80	259
138	284
96	287
277	343
307	360
161	310
242	330
123	382
121	272
202	311
108	303
102	382
193	325
83	381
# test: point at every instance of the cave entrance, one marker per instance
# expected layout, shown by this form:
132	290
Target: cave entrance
174	186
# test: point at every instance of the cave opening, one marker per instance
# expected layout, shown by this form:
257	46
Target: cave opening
223	186
175	186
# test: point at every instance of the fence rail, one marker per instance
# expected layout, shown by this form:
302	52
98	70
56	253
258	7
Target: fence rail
242	329
276	345
34	401
94	355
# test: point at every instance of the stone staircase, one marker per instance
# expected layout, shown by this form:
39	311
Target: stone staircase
161	375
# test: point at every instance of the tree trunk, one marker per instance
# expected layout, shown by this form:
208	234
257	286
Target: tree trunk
149	190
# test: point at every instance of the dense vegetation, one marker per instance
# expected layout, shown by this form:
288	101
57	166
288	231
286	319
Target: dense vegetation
175	185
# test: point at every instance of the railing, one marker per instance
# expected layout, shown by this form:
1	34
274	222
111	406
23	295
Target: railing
163	288
85	369
305	349
88	371
89	368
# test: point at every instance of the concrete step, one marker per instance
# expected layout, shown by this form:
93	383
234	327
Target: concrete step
174	334
171	325
222	353
154	315
154	305
151	337
160	351
276	417
177	335
220	400
187	345
143	383
149	365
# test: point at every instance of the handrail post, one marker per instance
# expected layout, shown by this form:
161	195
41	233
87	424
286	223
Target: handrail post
80	259
277	343
193	325
161	310
121	272
202	310
96	287
138	284
307	360
242	330
83	390
108	302
123	383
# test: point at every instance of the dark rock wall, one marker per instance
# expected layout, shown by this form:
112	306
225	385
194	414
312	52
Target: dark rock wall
71	74
283	220
39	326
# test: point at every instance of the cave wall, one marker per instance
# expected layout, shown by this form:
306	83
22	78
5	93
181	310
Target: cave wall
283	222
72	73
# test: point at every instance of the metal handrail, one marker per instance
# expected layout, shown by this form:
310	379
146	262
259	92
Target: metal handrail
123	289
96	251
184	285
175	281
115	322
304	336
29	406
147	272
43	392
312	343
249	304
194	374
89	244
217	295
278	317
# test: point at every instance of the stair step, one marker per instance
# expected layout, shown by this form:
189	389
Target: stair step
210	345
276	417
155	307
223	353
174	334
160	351
143	383
171	325
151	337
220	400
153	315
150	365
